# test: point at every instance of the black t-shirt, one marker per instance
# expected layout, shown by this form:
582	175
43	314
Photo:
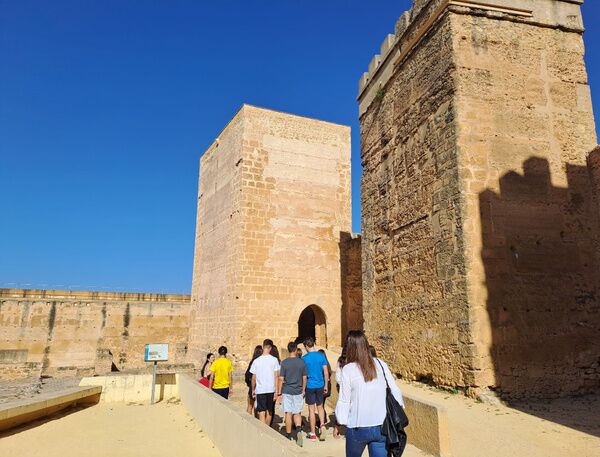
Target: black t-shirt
292	369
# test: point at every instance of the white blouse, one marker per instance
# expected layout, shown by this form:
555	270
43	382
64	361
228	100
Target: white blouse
360	403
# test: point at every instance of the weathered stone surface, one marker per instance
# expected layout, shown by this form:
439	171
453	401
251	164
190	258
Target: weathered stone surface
274	199
71	333
351	276
475	275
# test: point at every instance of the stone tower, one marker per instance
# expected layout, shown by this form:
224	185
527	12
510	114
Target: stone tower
480	221
274	212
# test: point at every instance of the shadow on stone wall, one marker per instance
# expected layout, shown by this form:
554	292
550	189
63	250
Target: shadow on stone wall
540	254
351	283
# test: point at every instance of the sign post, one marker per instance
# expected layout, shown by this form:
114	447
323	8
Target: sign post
156	353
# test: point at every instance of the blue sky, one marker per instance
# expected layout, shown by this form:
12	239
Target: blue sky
106	106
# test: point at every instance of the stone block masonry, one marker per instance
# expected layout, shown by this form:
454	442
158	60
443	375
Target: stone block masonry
480	216
273	203
49	333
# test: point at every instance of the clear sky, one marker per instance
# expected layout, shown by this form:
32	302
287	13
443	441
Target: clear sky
106	106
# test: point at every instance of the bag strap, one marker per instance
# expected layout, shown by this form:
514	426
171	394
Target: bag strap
384	376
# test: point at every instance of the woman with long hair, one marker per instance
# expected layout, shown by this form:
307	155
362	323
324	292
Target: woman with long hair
205	372
248	378
275	353
361	405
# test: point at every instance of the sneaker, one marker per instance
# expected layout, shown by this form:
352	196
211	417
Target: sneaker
311	437
299	438
322	434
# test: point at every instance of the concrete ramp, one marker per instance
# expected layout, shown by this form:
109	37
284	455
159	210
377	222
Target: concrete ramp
22	411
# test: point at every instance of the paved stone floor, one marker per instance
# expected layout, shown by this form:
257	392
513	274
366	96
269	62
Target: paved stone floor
16	390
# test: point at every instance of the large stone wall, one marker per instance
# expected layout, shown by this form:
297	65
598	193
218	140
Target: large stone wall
53	333
414	289
477	275
274	200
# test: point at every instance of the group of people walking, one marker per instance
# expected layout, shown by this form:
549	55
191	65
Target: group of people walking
362	380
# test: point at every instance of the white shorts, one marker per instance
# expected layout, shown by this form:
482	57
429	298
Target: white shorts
292	403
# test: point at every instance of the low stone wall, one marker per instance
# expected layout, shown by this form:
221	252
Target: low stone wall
428	427
23	411
220	418
134	388
73	333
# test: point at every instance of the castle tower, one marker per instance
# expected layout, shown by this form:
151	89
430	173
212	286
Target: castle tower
480	226
273	212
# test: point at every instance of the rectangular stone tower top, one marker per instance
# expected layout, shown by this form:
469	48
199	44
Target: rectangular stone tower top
415	23
273	207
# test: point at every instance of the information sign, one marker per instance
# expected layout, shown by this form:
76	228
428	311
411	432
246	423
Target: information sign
156	352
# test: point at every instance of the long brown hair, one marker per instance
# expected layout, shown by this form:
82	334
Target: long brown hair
357	350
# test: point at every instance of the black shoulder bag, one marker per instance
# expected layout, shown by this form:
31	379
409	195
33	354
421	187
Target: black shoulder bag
394	423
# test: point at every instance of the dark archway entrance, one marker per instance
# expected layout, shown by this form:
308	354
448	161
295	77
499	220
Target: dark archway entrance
313	322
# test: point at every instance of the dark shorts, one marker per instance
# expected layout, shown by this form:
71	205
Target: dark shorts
222	392
314	396
265	402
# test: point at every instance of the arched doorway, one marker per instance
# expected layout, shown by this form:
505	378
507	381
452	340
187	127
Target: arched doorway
313	322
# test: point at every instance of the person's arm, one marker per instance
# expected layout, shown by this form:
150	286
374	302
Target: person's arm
326	376
211	377
304	385
231	379
342	408
253	385
275	395
280	385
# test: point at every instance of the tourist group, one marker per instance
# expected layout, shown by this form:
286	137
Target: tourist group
362	382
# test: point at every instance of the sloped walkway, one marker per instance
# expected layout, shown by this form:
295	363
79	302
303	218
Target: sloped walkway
331	447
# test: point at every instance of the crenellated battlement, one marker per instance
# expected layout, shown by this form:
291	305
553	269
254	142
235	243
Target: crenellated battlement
414	24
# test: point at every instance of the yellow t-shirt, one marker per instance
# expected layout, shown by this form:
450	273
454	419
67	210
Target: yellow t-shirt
221	369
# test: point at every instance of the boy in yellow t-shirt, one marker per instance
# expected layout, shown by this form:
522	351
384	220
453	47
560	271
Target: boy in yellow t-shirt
221	381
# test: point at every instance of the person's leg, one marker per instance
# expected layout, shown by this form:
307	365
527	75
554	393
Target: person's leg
262	416
321	411
250	402
377	443
311	418
298	420
288	423
355	442
262	408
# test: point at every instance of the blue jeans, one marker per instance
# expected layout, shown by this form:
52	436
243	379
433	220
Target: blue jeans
358	438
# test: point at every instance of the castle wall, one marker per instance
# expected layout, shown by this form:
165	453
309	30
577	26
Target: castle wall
71	333
351	275
523	103
215	315
294	202
415	302
479	221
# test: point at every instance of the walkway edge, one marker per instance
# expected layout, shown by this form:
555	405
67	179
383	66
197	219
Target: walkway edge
22	411
233	431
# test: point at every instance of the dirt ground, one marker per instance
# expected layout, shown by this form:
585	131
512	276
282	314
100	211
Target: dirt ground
568	427
111	429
